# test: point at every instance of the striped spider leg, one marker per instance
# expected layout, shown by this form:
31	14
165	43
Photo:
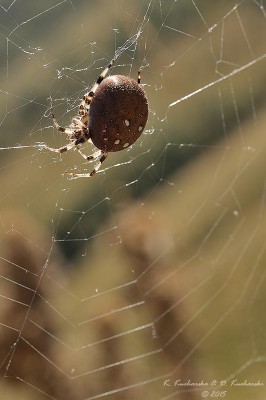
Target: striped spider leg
98	155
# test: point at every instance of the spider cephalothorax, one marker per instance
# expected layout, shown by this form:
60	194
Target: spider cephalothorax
112	115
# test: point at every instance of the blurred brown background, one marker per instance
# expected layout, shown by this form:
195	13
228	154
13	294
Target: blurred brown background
152	272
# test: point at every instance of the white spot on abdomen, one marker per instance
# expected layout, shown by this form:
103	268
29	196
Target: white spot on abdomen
117	141
126	145
140	128
126	122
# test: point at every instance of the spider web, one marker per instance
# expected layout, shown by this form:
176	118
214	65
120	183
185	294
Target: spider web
146	281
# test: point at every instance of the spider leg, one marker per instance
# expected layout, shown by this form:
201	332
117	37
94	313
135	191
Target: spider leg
99	163
87	98
94	156
99	155
62	149
139	77
60	128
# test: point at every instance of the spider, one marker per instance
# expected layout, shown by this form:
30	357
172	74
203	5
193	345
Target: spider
112	116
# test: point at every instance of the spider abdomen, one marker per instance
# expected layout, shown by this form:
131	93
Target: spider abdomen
118	113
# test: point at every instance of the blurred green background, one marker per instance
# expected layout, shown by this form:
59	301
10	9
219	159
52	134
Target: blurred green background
152	272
